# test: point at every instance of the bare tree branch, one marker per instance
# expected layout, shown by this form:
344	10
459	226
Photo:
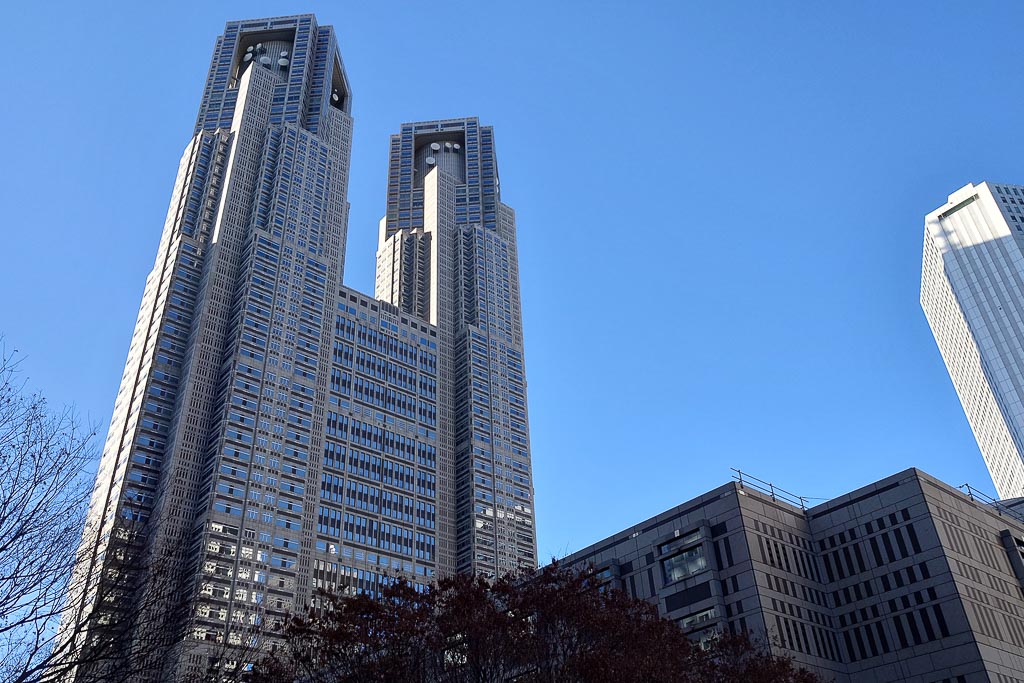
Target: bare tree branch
44	455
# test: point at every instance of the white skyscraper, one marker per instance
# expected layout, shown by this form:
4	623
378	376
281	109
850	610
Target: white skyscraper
972	291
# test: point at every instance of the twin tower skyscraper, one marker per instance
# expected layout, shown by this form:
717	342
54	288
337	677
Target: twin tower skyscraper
276	432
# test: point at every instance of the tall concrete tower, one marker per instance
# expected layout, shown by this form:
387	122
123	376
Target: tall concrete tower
972	291
447	253
274	431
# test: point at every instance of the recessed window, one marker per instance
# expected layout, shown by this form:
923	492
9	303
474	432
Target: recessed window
684	563
698	618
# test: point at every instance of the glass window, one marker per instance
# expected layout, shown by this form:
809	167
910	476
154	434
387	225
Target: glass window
684	563
698	618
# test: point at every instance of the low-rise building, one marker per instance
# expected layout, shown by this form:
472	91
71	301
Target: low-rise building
907	579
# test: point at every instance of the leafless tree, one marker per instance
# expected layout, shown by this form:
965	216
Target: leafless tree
69	612
44	455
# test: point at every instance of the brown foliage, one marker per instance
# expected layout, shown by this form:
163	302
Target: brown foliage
559	625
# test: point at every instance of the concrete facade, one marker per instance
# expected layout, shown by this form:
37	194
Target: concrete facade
276	432
447	252
906	579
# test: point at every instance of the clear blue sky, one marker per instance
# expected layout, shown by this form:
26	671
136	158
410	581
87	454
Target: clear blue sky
720	210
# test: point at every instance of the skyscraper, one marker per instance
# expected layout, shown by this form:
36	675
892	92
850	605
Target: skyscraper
447	253
972	292
275	431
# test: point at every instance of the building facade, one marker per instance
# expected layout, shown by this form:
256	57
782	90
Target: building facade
276	432
972	292
906	579
447	253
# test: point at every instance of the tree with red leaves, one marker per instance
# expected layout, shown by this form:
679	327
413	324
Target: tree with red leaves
559	625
